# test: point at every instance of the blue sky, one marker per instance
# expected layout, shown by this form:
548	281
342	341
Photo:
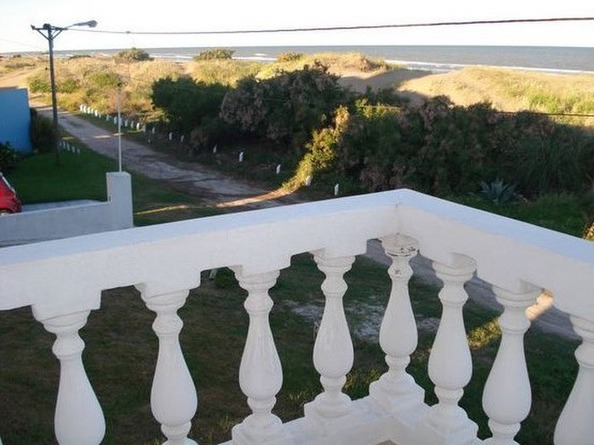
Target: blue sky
16	16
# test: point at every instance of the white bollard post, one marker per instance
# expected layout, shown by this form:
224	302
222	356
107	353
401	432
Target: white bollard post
336	189
308	181
241	156
278	169
214	149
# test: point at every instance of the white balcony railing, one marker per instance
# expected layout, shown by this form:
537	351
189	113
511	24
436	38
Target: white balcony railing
62	282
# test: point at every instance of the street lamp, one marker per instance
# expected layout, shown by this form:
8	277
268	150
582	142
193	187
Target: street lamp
50	32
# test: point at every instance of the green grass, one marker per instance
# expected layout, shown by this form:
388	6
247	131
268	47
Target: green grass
38	179
563	213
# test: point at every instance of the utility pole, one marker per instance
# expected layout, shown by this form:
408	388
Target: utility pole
50	32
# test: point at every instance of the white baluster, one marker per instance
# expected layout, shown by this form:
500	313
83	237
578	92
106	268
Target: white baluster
78	419
507	396
173	395
576	425
450	363
333	350
396	390
260	372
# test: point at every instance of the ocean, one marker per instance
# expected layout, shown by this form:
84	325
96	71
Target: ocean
428	58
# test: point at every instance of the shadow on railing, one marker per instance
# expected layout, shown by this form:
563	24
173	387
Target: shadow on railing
62	281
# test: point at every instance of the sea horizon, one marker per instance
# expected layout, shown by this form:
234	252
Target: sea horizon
434	58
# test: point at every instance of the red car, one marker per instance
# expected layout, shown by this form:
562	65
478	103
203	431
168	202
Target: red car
9	202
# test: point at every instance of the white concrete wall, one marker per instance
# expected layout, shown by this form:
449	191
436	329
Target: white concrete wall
68	221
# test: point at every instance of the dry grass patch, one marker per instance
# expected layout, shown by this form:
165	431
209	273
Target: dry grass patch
511	90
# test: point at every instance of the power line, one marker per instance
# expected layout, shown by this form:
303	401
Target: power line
348	28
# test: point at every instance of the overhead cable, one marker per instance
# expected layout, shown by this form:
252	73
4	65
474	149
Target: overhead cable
345	28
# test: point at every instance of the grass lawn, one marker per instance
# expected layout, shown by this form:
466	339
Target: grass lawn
82	176
121	348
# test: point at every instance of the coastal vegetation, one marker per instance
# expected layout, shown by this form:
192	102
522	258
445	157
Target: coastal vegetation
453	135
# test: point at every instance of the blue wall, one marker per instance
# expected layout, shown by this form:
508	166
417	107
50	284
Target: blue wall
15	118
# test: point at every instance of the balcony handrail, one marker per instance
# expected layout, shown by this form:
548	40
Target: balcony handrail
504	249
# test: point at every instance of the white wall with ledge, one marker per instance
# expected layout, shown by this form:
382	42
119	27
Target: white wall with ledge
73	220
164	262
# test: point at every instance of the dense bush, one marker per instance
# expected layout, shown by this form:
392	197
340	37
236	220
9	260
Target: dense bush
442	149
287	107
8	157
133	55
105	79
214	54
39	83
187	104
43	136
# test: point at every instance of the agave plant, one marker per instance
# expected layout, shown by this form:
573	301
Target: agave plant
498	192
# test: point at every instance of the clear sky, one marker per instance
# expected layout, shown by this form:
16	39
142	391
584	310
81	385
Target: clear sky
16	16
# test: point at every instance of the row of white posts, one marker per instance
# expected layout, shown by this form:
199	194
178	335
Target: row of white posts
66	146
127	123
139	127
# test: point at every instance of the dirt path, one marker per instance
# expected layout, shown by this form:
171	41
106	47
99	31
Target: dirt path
213	188
210	186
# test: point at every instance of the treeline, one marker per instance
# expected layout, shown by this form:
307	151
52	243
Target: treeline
376	140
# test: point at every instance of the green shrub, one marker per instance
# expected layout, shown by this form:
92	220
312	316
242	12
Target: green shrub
8	157
187	103
68	85
543	157
105	79
287	107
43	136
214	54
224	278
133	55
39	83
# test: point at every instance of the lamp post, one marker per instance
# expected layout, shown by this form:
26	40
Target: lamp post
50	32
